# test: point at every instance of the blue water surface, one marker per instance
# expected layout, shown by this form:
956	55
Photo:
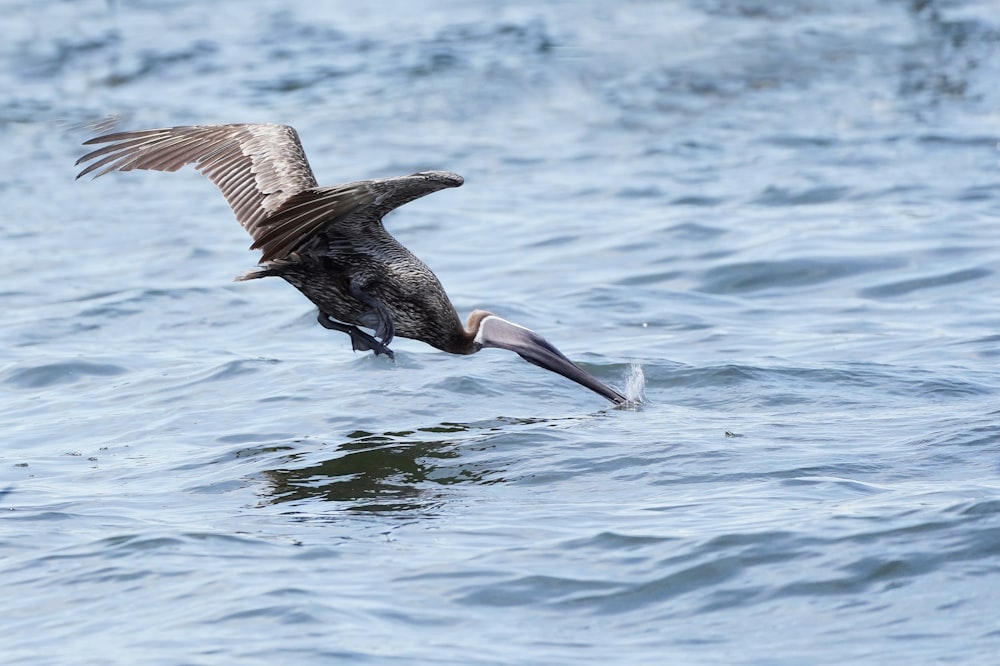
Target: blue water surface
777	222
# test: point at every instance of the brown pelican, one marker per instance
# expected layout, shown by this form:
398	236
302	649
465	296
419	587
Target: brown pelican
329	242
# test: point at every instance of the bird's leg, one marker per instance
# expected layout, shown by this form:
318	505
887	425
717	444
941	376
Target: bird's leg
360	340
378	317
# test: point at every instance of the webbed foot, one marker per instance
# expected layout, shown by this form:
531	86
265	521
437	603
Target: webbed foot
360	340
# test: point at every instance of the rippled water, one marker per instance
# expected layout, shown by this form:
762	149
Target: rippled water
775	220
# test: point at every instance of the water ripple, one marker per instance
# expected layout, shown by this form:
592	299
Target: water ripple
741	278
64	372
904	287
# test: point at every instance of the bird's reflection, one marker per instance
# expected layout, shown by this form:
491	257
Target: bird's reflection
399	471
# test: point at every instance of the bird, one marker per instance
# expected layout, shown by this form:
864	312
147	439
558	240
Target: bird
329	242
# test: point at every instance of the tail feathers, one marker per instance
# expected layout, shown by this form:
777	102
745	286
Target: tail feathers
253	274
275	267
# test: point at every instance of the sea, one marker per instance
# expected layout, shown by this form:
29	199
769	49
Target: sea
774	225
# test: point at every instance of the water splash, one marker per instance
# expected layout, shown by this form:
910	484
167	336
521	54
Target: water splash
635	385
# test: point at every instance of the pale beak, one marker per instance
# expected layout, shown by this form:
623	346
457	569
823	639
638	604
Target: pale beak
533	348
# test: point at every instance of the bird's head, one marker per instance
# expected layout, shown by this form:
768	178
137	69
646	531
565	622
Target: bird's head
489	330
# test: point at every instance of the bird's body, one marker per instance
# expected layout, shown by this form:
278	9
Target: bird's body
408	294
329	242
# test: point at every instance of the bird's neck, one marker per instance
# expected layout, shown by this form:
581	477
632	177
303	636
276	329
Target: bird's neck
464	340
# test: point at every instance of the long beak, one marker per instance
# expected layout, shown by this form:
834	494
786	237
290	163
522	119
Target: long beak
533	348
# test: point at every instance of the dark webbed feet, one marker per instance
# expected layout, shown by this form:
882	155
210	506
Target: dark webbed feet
360	340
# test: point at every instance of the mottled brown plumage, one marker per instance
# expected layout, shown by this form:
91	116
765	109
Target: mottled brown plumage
329	242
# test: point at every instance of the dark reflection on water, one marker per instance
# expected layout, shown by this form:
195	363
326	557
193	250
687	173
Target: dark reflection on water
392	471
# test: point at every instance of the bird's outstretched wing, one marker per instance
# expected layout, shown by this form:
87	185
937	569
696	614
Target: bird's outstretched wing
354	207
265	176
256	167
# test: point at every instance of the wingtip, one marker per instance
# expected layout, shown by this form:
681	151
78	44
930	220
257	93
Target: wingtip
445	178
89	169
